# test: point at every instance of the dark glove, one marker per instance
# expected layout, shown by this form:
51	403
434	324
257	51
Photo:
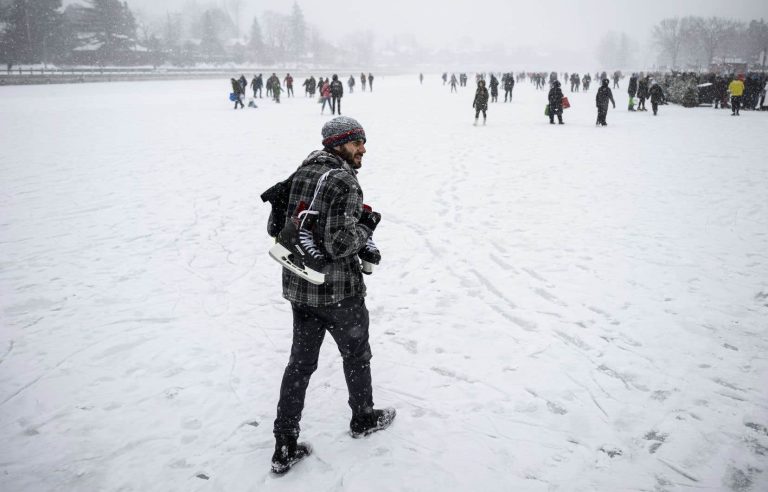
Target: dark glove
369	218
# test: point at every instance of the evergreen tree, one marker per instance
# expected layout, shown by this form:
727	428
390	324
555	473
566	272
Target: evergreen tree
110	25
298	31
256	42
691	96
210	45
32	31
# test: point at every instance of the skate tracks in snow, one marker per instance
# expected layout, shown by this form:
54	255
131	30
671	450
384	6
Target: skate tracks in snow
557	308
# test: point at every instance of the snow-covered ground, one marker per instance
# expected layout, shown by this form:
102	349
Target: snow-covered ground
558	307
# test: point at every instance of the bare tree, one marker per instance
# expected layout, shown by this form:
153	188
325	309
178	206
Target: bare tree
360	45
668	35
234	9
711	36
277	32
756	38
616	50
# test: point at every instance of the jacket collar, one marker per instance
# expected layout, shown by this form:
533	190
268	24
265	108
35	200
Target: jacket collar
329	159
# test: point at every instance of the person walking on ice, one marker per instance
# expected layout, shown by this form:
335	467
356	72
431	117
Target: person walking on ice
657	96
481	101
604	94
343	227
555	98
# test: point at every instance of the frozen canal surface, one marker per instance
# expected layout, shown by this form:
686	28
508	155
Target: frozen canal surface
557	308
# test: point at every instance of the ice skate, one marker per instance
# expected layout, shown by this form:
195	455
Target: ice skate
369	256
375	421
296	249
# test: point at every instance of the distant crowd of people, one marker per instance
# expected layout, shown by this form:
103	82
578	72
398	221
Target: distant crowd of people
734	91
330	90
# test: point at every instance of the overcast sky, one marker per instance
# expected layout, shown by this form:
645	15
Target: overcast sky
549	24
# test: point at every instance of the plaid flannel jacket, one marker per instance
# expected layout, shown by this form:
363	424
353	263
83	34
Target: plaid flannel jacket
337	233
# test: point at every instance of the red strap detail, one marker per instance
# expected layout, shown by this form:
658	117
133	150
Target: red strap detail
341	136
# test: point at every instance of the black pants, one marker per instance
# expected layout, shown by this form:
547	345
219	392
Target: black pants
602	112
347	322
736	104
477	113
507	92
655	107
239	101
555	112
290	91
335	105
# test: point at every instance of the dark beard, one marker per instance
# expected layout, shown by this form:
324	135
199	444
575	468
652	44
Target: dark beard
349	157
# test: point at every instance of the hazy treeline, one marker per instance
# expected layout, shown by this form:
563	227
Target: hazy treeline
108	32
690	43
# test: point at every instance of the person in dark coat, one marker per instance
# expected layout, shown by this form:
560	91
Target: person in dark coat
351	84
509	85
642	93
255	85
337	92
370	82
632	91
239	92
586	79
604	94
481	101
721	92
657	96
555	103
288	85
494	88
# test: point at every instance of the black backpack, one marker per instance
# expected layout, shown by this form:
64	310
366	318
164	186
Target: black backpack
278	196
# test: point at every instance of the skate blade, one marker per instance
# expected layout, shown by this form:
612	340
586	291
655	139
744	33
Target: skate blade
283	255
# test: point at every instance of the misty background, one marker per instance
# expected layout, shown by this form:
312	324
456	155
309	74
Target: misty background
456	35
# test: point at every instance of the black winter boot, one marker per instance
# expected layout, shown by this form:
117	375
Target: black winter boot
369	423
287	453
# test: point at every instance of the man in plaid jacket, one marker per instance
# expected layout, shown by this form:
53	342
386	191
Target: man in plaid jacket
338	305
